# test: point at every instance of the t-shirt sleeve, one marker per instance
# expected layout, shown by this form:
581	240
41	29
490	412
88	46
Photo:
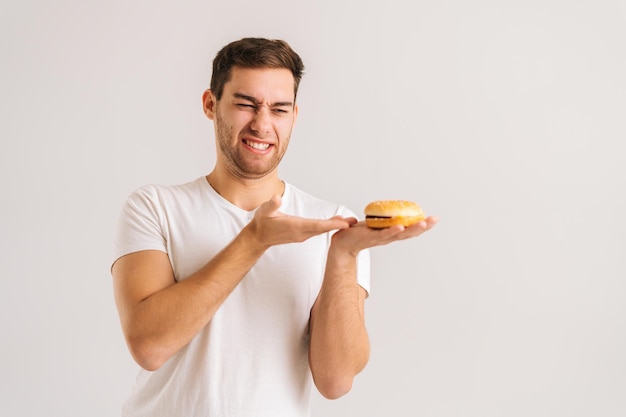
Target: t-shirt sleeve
363	270
139	225
363	259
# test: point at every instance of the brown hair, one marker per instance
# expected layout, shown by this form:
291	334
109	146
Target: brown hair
254	53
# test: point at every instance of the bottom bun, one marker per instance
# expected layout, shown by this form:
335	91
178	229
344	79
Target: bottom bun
384	222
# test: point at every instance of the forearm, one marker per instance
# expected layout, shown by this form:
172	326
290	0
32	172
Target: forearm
161	324
339	347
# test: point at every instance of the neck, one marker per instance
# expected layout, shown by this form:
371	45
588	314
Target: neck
247	194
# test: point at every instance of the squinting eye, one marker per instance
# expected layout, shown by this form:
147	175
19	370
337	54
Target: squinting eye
246	106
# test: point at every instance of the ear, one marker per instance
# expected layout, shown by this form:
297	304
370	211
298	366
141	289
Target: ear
209	103
295	113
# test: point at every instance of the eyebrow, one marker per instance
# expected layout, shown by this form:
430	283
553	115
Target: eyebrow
258	102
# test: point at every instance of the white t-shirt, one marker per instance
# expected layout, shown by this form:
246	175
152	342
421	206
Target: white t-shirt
252	357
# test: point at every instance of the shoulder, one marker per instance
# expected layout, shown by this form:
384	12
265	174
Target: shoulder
163	194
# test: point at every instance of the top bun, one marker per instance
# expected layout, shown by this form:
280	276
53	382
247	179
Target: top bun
386	213
393	208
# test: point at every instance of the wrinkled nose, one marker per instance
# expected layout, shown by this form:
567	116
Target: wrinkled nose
261	122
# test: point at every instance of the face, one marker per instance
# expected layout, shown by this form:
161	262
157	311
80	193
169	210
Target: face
253	120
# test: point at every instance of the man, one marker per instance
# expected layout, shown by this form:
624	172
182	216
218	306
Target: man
236	288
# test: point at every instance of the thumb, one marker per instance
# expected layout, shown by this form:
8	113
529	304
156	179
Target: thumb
271	206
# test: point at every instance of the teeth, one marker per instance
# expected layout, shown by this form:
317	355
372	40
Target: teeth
257	145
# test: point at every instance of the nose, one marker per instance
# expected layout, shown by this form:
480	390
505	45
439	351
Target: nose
261	123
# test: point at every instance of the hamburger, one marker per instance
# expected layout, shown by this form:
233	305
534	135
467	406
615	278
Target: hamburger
386	213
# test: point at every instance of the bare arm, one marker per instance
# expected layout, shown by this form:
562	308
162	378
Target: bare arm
159	315
339	343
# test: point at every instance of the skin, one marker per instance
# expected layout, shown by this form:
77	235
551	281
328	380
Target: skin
159	315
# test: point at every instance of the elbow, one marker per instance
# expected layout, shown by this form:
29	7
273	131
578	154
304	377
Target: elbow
334	388
145	354
148	363
334	382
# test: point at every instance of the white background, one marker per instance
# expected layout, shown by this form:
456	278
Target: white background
504	118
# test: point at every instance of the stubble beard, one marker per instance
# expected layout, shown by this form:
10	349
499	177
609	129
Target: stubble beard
236	162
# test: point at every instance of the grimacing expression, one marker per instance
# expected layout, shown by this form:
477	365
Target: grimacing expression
254	120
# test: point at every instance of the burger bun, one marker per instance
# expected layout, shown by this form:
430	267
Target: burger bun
386	213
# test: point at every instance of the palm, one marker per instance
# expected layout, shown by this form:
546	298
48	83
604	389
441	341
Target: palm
359	236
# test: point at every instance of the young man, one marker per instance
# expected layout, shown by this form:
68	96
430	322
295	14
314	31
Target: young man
236	288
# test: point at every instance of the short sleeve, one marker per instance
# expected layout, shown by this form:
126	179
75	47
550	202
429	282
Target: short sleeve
139	225
363	270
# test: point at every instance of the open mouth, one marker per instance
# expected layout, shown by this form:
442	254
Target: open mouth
257	145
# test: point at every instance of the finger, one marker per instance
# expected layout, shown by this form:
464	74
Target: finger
270	207
360	223
425	224
276	201
352	221
323	226
337	223
418	228
431	221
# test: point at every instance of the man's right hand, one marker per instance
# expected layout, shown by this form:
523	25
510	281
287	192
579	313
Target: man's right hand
271	227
